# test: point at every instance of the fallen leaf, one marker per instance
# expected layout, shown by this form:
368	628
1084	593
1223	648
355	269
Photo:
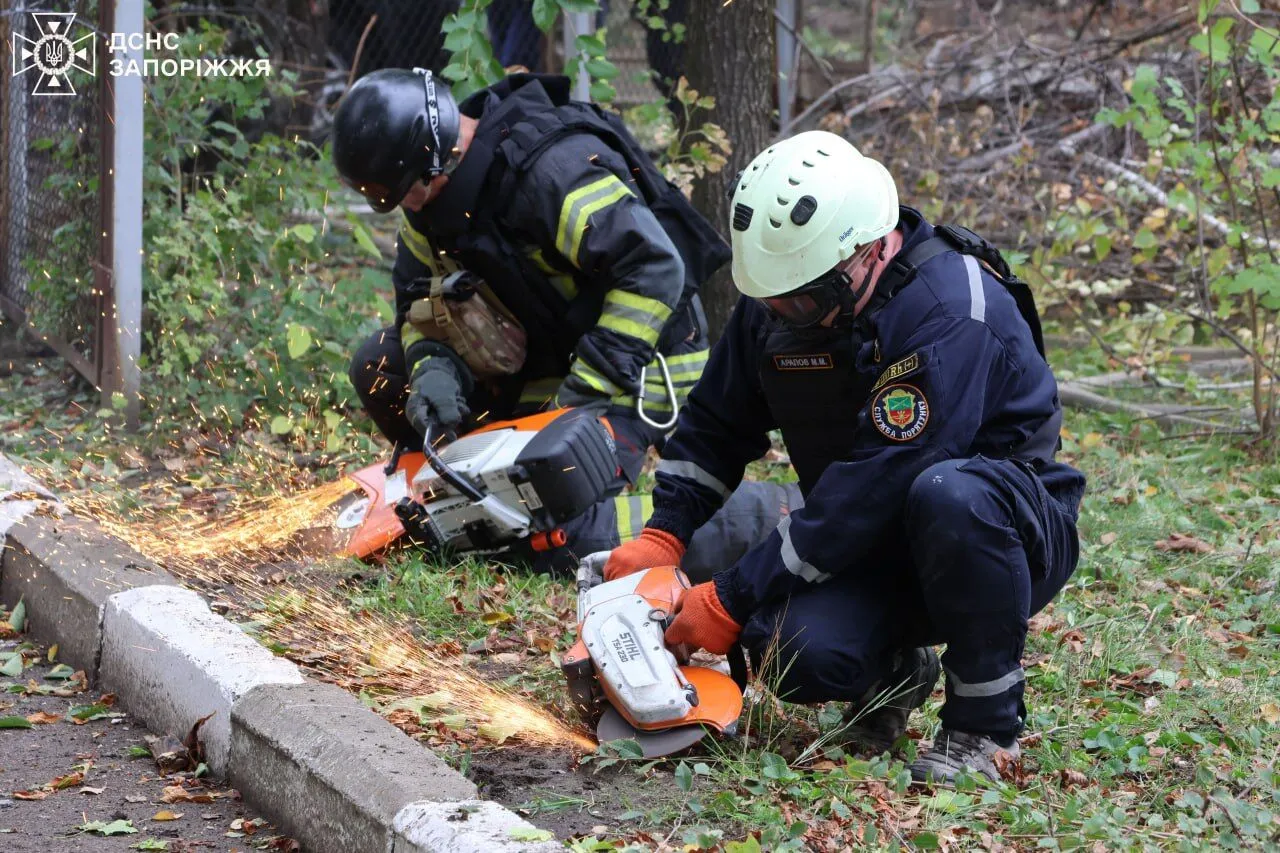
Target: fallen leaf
43	718
179	794
1271	712
496	617
498	731
30	795
1182	544
68	781
134	798
88	790
1241	651
115	827
165	814
1107	538
15	723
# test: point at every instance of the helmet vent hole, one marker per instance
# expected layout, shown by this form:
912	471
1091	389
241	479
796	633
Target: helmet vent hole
741	217
823	153
807	163
775	223
783	201
793	182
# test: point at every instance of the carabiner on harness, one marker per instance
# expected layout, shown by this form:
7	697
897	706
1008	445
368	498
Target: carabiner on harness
671	396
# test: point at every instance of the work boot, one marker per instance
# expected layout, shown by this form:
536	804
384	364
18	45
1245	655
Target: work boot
952	751
878	721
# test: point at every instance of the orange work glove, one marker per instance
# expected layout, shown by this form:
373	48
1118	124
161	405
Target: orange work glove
702	622
651	548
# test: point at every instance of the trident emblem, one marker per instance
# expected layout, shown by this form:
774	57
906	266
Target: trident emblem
53	54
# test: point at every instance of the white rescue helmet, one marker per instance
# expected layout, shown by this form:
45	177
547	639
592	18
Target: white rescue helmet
803	206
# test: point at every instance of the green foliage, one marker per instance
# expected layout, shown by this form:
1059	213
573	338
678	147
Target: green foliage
1213	145
689	150
472	64
236	310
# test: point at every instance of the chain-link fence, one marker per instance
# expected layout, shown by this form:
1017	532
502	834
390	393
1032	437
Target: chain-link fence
52	127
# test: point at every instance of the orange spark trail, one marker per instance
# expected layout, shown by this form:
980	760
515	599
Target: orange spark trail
338	643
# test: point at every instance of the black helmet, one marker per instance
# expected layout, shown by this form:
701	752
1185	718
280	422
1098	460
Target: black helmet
393	127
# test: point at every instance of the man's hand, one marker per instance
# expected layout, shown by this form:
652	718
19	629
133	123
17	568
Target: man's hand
435	395
651	548
701	621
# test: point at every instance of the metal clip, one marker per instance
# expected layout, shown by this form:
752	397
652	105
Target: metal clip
671	395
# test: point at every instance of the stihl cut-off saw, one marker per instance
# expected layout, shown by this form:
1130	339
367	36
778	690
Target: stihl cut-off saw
507	482
622	675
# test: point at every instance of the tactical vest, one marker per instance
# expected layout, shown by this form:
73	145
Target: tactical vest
502	152
817	385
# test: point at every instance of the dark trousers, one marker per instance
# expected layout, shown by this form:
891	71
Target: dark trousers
983	545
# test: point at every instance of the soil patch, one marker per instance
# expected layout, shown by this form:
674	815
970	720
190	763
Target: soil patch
548	788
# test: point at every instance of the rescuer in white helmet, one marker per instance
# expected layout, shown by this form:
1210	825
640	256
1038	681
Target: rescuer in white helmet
904	365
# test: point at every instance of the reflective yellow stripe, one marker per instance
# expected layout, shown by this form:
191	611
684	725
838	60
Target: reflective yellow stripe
540	390
409	334
594	378
578	207
564	284
417	243
636	316
632	511
686	368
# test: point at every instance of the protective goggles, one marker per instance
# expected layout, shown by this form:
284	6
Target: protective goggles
808	305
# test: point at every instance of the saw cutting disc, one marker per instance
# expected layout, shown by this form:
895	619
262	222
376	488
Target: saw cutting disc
613	726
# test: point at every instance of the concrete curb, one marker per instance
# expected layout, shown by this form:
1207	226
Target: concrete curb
199	664
310	757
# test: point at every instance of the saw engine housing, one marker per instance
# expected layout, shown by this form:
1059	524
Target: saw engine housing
504	483
621	659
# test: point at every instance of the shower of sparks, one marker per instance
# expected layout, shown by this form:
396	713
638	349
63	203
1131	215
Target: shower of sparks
317	625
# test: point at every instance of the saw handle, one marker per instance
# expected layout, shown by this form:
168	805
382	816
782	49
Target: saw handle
450	476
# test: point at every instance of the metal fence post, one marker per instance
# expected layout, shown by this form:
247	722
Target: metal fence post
787	26
578	24
15	216
127	145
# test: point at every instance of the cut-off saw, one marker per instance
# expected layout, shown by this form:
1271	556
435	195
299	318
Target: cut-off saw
623	677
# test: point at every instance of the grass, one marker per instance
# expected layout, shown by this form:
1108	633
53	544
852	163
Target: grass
1153	680
1153	683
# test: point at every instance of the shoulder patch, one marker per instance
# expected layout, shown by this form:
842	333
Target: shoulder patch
899	369
900	412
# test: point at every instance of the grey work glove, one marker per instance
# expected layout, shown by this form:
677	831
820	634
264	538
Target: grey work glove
436	395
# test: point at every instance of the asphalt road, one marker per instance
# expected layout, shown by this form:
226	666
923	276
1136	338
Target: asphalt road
44	804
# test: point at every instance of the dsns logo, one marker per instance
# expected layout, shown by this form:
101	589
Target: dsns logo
54	53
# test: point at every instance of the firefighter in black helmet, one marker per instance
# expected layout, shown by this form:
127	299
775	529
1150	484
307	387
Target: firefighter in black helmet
549	209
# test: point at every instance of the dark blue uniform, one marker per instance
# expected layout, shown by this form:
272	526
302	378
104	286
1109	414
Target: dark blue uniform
928	518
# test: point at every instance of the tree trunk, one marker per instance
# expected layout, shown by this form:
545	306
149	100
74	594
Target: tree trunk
730	51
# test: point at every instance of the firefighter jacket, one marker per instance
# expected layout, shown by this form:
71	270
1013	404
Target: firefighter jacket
944	368
561	213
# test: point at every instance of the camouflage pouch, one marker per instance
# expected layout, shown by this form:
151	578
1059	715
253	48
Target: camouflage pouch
462	311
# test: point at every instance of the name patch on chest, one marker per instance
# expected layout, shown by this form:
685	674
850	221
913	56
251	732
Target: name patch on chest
900	412
817	361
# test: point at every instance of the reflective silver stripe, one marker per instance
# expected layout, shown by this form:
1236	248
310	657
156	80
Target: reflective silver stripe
692	472
790	559
984	688
977	298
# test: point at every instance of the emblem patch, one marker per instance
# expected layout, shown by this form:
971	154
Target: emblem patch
900	412
898	369
817	361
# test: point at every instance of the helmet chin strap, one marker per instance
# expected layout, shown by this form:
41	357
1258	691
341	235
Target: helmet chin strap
853	297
